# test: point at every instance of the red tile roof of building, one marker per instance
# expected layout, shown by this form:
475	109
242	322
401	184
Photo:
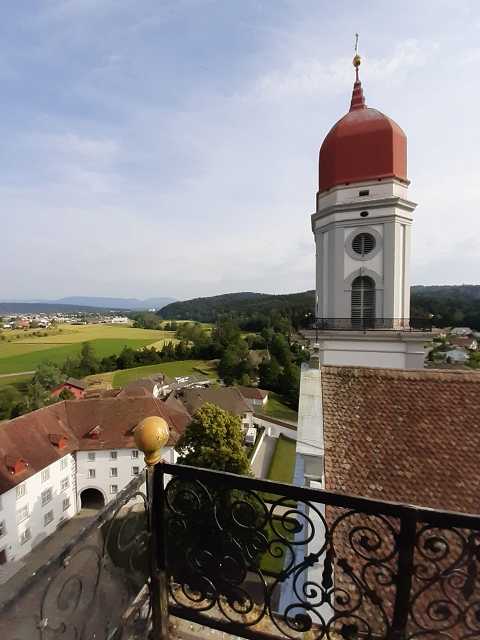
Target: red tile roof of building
252	393
405	436
227	398
28	437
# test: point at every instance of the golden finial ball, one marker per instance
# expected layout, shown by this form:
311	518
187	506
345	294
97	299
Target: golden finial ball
357	60
151	435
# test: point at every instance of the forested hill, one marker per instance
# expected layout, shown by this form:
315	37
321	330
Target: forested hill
245	304
449	304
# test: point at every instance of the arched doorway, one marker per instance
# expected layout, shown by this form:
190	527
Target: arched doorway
92	499
363	302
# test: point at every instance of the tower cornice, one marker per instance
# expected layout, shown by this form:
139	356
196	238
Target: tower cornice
378	203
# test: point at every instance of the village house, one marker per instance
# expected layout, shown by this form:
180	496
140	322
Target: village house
256	398
66	456
464	342
76	387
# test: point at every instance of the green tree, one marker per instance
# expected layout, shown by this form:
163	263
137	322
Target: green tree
10	402
66	394
126	359
269	372
36	397
214	440
280	349
88	362
48	375
289	383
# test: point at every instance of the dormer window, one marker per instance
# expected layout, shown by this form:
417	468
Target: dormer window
15	465
58	440
95	432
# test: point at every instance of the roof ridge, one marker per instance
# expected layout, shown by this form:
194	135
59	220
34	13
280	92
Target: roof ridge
413	374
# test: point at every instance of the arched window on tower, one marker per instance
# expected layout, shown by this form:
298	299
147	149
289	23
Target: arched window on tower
363	302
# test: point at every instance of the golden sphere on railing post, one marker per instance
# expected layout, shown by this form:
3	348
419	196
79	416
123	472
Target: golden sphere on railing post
151	435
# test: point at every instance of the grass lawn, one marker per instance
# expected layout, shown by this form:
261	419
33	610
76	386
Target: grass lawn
270	564
277	409
14	380
282	464
58	354
171	369
26	353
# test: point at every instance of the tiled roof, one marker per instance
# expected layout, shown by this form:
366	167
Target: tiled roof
227	398
29	438
253	393
76	383
406	436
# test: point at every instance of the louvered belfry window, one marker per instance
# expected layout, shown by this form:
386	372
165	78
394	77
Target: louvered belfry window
363	244
363	301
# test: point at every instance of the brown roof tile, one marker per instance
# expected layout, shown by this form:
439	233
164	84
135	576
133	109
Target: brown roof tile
29	437
253	393
227	398
406	436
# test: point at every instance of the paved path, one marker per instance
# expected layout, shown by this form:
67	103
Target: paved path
45	550
18	373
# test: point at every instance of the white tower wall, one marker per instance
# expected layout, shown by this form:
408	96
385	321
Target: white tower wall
341	214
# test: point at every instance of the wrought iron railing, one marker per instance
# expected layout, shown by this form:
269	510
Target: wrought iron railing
96	586
373	324
255	559
265	560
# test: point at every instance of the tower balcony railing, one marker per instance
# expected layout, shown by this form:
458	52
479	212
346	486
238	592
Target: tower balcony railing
208	554
370	323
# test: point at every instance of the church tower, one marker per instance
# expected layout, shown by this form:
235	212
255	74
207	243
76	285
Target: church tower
362	229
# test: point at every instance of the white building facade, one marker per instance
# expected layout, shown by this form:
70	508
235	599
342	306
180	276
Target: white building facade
32	510
35	508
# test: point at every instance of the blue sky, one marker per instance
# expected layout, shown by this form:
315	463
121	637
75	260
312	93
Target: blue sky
169	148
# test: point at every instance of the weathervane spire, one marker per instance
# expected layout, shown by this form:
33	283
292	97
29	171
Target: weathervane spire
358	101
356	58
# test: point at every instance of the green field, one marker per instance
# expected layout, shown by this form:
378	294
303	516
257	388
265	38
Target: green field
171	369
14	379
27	352
275	408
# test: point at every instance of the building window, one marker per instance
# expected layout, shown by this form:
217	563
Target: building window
91	473
21	490
113	455
135	471
363	302
91	455
364	192
48	518
22	514
363	244
3	528
66	504
113	472
64	484
46	496
45	475
64	463
113	488
135	453
25	536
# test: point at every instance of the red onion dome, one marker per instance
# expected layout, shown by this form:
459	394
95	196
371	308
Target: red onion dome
363	145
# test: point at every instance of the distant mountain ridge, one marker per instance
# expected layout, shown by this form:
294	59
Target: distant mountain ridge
90	302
